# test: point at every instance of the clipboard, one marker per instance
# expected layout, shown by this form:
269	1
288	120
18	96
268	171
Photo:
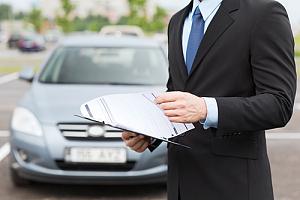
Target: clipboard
161	139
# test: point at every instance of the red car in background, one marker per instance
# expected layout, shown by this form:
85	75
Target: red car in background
31	43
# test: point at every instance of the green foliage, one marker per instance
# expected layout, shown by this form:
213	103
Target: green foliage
36	19
158	23
91	23
64	21
136	6
5	12
138	17
297	40
134	3
297	43
67	6
79	25
20	16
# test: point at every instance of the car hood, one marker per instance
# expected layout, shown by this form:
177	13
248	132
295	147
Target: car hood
54	103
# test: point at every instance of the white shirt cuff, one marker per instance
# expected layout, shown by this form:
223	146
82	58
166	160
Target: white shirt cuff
211	120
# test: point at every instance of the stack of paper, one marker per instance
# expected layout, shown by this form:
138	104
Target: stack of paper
134	112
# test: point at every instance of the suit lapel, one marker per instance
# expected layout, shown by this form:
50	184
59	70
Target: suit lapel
220	23
182	65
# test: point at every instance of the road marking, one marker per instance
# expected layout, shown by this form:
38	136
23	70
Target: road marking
4	151
7	78
283	136
4	133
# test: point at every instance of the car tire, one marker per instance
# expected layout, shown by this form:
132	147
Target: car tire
18	180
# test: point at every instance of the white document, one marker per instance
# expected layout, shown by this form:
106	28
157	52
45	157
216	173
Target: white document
135	112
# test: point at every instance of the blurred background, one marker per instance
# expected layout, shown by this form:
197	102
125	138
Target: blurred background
57	54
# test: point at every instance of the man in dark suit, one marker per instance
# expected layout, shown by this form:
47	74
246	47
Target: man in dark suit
232	74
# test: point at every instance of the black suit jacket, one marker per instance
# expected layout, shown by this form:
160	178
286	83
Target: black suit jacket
245	61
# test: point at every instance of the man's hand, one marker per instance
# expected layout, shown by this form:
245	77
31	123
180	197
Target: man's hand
138	143
182	107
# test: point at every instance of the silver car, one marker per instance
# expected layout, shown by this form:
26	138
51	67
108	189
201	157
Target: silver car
50	144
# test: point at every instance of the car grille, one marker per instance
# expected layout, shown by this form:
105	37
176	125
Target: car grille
89	131
95	167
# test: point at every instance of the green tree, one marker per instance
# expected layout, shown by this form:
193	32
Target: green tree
64	21
95	23
20	16
5	12
78	24
138	17
36	19
91	23
158	23
137	7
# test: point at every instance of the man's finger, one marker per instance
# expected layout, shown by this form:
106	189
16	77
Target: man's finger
168	97
143	148
172	113
169	106
133	141
127	135
138	145
177	119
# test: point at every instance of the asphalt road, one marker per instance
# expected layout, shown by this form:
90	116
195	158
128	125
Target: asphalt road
283	152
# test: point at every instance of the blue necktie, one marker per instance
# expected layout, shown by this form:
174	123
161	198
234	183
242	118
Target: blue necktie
195	38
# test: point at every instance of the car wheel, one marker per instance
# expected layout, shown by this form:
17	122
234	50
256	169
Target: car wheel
17	180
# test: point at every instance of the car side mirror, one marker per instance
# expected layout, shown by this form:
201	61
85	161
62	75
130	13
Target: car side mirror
27	74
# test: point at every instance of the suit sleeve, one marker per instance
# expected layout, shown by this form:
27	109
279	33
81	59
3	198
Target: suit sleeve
274	75
170	82
155	143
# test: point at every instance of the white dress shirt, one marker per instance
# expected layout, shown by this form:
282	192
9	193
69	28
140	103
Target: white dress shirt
208	9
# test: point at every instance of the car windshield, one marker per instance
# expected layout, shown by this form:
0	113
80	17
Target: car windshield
85	65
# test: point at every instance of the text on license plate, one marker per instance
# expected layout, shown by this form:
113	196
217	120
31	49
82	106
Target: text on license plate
95	155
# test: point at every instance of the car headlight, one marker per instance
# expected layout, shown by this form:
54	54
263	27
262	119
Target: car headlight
24	121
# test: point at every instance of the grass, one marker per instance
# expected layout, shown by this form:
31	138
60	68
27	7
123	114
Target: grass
7	70
298	65
297	40
297	45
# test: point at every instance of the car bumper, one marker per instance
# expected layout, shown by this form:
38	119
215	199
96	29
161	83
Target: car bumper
29	49
40	174
42	167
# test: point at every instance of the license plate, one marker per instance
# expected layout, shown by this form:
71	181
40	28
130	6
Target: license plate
95	155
